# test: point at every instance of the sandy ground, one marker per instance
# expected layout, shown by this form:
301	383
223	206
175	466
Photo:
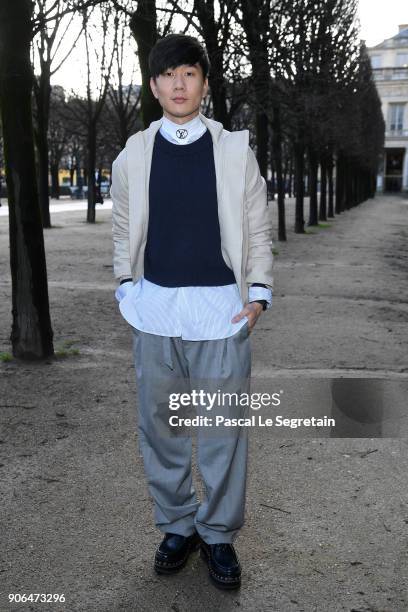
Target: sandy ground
326	517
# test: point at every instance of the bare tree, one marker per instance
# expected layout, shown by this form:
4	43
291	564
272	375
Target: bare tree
256	24
50	37
31	335
143	24
59	137
303	60
124	100
100	28
216	31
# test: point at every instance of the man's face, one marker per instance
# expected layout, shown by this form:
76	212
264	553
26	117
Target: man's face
180	91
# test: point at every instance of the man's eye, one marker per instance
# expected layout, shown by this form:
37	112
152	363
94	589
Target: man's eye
170	74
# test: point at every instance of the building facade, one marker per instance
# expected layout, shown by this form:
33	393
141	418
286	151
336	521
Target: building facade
389	61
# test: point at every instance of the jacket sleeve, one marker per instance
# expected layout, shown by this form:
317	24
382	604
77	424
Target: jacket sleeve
120	217
260	258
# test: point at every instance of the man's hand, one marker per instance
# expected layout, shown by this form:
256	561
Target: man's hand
252	311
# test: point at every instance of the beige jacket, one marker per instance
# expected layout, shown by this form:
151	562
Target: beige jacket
246	233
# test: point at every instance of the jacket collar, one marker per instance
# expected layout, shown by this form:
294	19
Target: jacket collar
214	127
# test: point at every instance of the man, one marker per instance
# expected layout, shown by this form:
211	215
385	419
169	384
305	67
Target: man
193	253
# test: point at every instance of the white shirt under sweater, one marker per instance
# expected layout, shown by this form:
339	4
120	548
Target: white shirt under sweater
192	313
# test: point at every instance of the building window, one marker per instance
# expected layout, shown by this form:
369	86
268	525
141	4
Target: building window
376	61
396	117
400	74
402	60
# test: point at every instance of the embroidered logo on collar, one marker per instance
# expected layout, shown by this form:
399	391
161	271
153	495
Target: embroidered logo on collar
182	133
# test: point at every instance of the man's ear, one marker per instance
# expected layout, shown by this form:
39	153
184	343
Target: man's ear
205	87
153	87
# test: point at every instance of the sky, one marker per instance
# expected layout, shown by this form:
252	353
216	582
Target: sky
379	19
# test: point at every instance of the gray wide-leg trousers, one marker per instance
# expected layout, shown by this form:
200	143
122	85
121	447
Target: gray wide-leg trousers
170	365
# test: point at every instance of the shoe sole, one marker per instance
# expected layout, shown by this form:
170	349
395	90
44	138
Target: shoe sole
218	581
172	568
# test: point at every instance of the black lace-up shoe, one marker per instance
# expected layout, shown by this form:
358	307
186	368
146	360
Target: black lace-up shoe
223	565
173	552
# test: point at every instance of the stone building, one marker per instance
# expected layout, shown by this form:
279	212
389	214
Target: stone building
389	61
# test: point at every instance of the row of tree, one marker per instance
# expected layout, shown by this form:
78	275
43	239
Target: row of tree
310	98
293	71
301	81
71	130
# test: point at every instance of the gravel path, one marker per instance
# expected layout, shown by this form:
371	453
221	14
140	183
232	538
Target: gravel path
327	517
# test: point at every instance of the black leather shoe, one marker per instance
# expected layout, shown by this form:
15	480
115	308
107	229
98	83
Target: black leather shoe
173	552
223	565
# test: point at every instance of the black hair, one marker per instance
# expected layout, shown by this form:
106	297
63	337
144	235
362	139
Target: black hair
176	50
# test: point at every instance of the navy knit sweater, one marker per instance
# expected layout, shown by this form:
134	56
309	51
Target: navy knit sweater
183	239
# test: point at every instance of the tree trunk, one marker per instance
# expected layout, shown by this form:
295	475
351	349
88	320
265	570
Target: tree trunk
79	180
43	92
323	188
143	25
272	182
290	178
280	183
340	183
216	78
285	177
216	81
299	187
254	19
313	170
31	334
90	217
262	134
55	191
347	202
330	166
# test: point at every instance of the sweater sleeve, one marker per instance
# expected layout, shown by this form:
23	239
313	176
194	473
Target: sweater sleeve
120	217
260	258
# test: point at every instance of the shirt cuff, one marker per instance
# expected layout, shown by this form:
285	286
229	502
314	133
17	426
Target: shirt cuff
123	279
260	293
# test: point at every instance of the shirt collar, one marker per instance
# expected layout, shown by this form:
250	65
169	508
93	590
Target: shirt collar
185	133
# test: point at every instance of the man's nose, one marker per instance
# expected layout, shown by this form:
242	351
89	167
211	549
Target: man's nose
179	82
